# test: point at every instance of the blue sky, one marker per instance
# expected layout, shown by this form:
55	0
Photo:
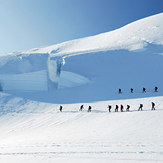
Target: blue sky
27	24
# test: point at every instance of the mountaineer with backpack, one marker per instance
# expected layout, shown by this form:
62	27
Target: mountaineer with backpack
81	107
60	108
153	105
121	108
144	90
156	88
109	106
140	107
128	107
120	91
116	108
89	109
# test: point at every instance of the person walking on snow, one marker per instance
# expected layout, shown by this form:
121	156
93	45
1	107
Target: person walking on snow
156	88
121	108
89	109
109	108
140	107
144	90
81	107
116	108
153	105
128	107
60	108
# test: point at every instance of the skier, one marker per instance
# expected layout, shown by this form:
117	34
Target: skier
128	107
131	90
144	90
81	107
60	108
121	108
89	109
116	108
156	88
109	106
140	107
120	91
153	105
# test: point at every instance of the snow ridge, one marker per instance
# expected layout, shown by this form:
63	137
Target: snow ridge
133	37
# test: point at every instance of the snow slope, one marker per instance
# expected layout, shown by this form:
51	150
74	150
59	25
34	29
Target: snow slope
38	132
33	130
133	37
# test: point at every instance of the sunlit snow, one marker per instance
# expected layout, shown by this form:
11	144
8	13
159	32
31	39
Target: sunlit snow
87	71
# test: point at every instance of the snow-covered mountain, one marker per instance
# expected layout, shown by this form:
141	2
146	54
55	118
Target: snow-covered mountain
42	66
133	37
90	71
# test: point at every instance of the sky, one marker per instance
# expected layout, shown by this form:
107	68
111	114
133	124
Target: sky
27	24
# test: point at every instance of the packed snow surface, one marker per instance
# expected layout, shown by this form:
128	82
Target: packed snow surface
34	130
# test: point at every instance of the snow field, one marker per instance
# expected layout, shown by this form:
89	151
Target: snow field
44	134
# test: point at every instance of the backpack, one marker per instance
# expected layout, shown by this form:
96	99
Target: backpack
128	106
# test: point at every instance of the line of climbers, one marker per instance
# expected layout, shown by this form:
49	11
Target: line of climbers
81	108
116	107
144	90
128	107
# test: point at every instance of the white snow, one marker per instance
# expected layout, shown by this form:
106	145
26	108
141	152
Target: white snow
34	130
69	79
134	36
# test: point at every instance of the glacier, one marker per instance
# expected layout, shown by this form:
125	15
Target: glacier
89	72
43	66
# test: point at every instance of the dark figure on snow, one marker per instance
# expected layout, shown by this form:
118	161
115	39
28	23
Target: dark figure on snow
120	91
153	105
131	90
60	108
128	107
81	107
140	107
156	89
116	108
89	109
109	108
1	89
121	108
144	90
